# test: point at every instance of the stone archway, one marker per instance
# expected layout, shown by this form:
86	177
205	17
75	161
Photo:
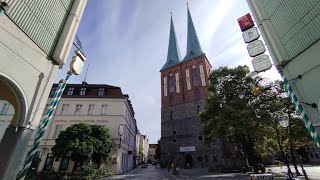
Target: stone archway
11	92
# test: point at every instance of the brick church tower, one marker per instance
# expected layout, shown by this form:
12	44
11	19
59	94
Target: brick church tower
184	86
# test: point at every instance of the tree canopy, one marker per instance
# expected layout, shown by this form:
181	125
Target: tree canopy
83	141
241	107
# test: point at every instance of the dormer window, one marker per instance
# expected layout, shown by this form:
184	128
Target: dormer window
101	92
70	91
53	90
83	91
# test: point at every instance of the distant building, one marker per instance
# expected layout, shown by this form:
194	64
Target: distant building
184	88
143	148
152	152
291	32
98	104
35	40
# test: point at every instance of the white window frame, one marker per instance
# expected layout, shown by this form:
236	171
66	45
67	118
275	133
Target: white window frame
77	111
165	86
188	79
101	92
64	109
202	77
57	131
91	109
177	83
83	91
5	109
70	91
104	109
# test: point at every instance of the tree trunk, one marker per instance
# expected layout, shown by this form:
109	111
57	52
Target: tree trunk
284	157
292	148
75	166
252	157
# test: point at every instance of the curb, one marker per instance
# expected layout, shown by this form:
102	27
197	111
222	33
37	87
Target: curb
168	173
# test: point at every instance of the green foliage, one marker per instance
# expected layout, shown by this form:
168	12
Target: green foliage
89	169
236	110
83	141
101	173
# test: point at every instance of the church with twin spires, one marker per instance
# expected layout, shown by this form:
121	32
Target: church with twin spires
184	88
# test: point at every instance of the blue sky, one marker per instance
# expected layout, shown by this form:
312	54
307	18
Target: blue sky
126	43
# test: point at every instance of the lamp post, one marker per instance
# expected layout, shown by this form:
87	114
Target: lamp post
285	123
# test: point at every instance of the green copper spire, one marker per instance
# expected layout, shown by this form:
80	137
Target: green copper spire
193	45
173	56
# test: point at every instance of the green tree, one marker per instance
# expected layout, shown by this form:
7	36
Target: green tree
83	141
235	111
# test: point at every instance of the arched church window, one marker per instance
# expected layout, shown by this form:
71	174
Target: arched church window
203	80
195	77
177	83
165	86
188	79
171	85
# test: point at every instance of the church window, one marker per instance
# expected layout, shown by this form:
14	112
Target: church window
195	77
188	79
171	85
203	80
165	86
177	83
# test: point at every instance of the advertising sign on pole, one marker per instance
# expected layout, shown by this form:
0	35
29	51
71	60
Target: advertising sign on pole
261	63
256	48
245	22
250	35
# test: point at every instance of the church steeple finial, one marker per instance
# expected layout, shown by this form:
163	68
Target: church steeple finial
193	45
173	56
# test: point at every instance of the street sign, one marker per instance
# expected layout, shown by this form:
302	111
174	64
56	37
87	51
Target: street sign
245	22
250	35
187	149
261	63
256	48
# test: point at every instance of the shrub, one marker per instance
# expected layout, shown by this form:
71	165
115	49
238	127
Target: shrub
89	169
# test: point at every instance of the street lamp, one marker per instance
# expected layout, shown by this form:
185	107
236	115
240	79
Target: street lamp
284	122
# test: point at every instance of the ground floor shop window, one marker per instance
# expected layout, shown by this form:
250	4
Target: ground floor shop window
49	162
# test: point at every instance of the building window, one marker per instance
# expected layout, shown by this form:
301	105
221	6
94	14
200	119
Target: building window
171	85
195	77
200	138
78	109
311	155
91	110
188	79
57	131
199	158
53	90
203	80
174	132
49	162
165	86
70	91
104	109
45	110
198	109
177	83
64	109
64	164
4	109
174	140
83	91
101	92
